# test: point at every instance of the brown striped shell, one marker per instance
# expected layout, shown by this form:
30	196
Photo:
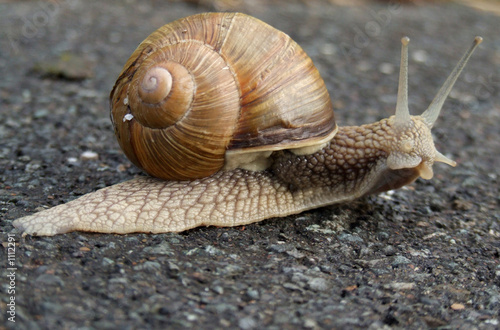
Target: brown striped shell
215	89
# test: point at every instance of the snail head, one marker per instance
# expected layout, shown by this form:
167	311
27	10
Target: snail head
412	146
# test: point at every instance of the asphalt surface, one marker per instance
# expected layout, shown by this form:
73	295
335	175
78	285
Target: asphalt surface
425	256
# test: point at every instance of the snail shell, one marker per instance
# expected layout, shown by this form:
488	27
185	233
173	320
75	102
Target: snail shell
214	91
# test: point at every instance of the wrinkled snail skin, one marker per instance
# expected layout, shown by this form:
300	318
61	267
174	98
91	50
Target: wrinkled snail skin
352	165
231	198
274	179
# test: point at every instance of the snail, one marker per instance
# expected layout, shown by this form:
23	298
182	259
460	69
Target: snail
234	124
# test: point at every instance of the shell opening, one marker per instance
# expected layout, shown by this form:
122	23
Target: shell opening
156	85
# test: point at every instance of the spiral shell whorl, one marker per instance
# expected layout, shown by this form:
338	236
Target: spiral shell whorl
156	85
185	135
161	93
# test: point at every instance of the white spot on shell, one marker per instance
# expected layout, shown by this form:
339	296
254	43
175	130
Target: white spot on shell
128	117
125	100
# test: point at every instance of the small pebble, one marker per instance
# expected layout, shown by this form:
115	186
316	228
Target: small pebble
26	96
389	250
49	280
310	324
89	155
363	66
212	250
161	249
400	286
41	113
247	323
318	284
253	294
218	289
148	266
328	49
107	261
420	56
457	306
386	68
400	260
350	238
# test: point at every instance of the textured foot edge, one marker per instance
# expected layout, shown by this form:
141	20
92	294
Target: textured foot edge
32	225
36	226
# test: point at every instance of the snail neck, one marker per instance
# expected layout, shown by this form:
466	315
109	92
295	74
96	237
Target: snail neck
353	164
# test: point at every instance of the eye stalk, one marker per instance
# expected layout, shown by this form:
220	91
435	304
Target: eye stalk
404	121
432	113
402	117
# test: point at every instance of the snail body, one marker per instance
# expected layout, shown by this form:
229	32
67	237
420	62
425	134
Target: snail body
237	129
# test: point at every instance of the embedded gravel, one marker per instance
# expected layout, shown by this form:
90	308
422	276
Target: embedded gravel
425	256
